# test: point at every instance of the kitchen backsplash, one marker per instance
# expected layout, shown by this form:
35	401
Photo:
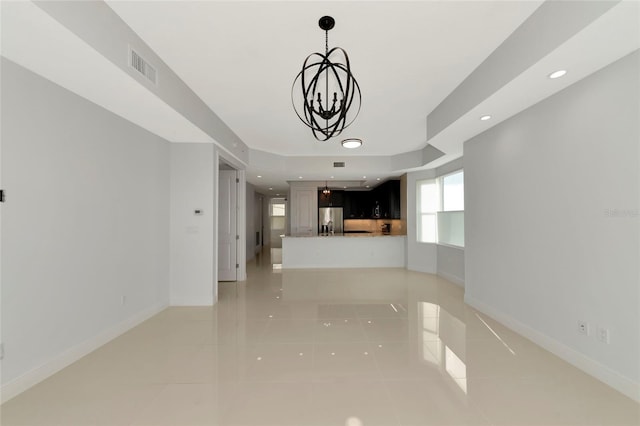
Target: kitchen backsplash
398	226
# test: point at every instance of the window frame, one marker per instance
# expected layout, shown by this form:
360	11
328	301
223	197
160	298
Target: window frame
438	181
420	214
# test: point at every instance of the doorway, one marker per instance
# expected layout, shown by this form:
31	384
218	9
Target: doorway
277	228
227	223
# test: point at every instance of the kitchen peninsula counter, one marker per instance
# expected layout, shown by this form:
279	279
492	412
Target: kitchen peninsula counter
350	250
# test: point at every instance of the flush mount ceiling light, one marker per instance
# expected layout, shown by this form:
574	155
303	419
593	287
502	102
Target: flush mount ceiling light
557	74
352	143
485	117
328	78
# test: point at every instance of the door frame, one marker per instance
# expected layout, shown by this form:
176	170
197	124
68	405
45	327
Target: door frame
228	240
241	216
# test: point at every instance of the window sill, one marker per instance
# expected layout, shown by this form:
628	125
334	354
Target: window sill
442	244
451	246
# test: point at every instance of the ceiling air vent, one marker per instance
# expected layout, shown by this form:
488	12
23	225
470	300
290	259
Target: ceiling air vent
338	164
139	64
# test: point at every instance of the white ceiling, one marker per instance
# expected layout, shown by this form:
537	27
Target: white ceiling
241	59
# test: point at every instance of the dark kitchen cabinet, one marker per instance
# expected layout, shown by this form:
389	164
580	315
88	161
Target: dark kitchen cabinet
362	204
387	196
357	205
391	191
335	199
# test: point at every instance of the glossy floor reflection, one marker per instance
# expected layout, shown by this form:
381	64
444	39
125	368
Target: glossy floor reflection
331	347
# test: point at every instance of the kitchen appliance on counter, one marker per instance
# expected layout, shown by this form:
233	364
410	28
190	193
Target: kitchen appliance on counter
330	220
385	228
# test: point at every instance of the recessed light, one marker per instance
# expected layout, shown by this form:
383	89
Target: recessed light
344	187
352	143
299	177
259	177
364	177
377	178
485	117
270	189
367	186
557	74
331	177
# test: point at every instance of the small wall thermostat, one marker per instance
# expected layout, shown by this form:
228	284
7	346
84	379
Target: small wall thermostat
197	212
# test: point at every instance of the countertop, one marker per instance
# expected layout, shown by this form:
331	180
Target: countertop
346	235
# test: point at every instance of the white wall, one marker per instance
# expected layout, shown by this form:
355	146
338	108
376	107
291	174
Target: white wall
450	263
543	248
254	220
194	179
266	219
85	223
251	225
258	215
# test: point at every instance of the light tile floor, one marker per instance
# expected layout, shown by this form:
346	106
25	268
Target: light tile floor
331	347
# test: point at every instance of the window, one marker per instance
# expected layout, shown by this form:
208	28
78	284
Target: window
427	202
450	218
278	208
440	210
453	192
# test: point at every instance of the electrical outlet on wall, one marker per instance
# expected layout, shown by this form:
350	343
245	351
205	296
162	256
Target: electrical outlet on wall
583	327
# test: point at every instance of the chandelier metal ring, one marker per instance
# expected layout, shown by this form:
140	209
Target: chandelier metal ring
326	117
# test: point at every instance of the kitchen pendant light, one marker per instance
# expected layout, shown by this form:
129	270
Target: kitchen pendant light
326	192
328	78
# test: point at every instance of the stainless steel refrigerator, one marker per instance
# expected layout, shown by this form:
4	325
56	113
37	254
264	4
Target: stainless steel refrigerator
330	220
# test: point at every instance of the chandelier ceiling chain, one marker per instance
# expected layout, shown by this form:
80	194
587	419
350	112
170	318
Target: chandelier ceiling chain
326	120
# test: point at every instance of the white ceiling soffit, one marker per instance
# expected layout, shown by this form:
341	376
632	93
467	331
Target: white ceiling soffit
242	57
34	40
610	37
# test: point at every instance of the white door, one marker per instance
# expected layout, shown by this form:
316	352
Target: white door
304	211
227	226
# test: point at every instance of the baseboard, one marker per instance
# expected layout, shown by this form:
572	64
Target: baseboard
577	359
449	277
38	374
420	268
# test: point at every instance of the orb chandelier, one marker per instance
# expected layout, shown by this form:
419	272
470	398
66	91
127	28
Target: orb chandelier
325	95
326	192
